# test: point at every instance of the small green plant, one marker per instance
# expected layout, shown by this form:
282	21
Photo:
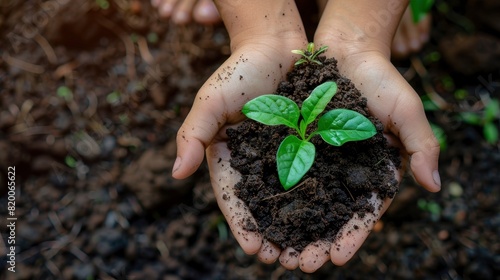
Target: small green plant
486	119
420	8
309	55
432	207
103	4
295	155
65	93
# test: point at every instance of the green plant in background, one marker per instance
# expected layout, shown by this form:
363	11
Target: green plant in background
103	4
309	55
432	207
70	161
65	93
440	136
420	8
438	131
295	155
113	97
486	119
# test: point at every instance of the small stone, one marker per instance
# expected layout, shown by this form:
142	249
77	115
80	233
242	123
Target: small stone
455	189
108	241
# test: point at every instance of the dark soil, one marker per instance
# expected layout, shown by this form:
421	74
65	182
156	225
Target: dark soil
94	195
339	183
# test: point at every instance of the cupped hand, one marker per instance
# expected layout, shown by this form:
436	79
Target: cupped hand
396	104
249	72
339	251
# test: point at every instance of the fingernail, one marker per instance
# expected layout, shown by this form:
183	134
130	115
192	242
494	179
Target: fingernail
177	164
437	178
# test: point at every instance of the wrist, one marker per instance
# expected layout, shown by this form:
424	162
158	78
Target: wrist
261	21
350	28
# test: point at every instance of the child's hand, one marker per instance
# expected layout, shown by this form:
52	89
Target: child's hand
235	211
360	36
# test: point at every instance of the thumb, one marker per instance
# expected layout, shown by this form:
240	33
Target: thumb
196	133
419	140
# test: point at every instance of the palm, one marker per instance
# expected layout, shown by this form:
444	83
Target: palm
223	180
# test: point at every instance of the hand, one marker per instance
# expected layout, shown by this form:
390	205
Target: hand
219	101
360	35
235	211
393	101
198	131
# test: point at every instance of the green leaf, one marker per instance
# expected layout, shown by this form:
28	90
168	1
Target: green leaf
342	125
429	105
492	110
70	161
310	48
471	118
294	158
65	92
318	52
490	132
420	8
440	136
302	129
273	109
316	103
300	61
113	97
301	52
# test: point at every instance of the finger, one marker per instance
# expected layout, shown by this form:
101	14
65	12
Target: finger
166	7
195	134
206	12
203	122
238	216
289	258
183	11
269	252
355	232
419	140
424	28
399	47
314	256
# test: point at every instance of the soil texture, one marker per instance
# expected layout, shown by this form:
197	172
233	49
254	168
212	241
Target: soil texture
339	183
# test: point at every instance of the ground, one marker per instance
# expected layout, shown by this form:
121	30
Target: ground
93	92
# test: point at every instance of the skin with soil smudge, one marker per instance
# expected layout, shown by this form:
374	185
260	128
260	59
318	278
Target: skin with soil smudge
337	187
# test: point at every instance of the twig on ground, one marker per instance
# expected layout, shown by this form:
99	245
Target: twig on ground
129	44
429	89
47	48
144	50
21	64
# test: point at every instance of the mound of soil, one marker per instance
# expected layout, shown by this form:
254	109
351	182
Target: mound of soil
339	183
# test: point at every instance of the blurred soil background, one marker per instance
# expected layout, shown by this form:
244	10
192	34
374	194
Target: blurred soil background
92	93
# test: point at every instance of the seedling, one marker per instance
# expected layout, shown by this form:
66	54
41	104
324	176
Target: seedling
309	55
486	119
295	155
